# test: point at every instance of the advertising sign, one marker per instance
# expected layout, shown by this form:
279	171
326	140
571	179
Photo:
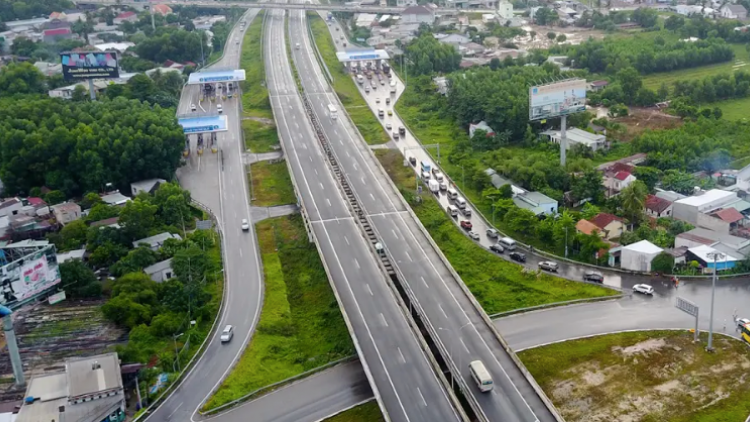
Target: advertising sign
203	124
557	99
29	276
89	65
56	298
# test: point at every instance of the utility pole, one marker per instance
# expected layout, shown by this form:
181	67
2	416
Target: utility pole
566	241
715	256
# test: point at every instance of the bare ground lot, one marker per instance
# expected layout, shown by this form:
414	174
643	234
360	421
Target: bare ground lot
643	119
645	376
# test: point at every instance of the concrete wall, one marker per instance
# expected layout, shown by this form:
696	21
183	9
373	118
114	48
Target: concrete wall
685	212
712	223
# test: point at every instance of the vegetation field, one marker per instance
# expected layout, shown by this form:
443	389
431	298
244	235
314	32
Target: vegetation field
497	284
736	109
644	376
260	136
271	184
741	61
254	93
345	87
368	412
300	326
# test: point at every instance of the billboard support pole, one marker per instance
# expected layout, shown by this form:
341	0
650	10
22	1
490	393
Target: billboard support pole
15	356
563	139
92	93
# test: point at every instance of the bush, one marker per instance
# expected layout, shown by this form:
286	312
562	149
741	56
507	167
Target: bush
663	263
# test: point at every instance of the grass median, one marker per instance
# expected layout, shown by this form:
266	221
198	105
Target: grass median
645	376
255	100
345	87
260	135
497	284
368	412
271	184
301	327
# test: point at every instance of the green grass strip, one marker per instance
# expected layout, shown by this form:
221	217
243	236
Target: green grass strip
271	184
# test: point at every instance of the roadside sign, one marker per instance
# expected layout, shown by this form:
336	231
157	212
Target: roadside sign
689	308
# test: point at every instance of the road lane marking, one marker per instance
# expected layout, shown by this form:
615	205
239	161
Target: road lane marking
382	318
356	263
403	359
369	290
329	201
394	233
464	344
174	411
420	395
372	196
240	252
321	185
442	310
408	256
346	239
316	172
425	282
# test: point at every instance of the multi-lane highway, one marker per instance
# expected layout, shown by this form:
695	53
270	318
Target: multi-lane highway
225	193
392	356
456	321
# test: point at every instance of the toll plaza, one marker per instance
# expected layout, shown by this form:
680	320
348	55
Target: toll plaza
217	83
363	60
200	126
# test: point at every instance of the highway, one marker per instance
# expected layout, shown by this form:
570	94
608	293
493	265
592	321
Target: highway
457	323
393	360
225	193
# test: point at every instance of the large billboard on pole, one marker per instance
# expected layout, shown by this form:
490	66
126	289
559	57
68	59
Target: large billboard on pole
557	99
29	276
89	65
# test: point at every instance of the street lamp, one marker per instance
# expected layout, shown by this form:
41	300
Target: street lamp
716	256
176	354
453	376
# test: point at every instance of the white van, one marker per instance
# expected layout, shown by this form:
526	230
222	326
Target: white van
460	202
381	113
452	210
507	243
466	212
452	193
481	376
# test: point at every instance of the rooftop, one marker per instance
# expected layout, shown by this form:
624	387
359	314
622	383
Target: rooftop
66	206
156	240
159	266
599	83
708	237
417	10
705	254
67	256
586	227
106	222
576	135
115	198
669	195
622	175
706	198
603	219
729	215
146	185
58	31
656	204
644	246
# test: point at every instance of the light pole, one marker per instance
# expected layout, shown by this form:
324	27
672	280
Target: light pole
715	256
176	354
566	241
451	349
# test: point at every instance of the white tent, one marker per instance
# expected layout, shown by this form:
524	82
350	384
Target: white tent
638	256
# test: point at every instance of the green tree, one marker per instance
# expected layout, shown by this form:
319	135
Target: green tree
190	265
564	229
589	247
521	220
678	181
54	197
663	92
79	280
137	218
634	200
589	211
23	46
663	263
107	254
102	211
21	78
551	35
80	94
588	186
648	175
674	22
140	87
73	235
561	38
630	80
136	260
89	200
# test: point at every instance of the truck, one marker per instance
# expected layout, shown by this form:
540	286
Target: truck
434	186
329	16
360	79
386	68
425	166
332	111
393	86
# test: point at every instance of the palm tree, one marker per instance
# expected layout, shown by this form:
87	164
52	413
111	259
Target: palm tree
634	200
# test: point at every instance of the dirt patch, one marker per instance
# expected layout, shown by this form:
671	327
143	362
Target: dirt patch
631	377
263	120
642	119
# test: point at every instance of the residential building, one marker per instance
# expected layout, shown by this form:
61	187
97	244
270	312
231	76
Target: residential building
505	11
471	49
125	17
157	241
704	254
687	209
588	228
88	390
148	186
598	85
206	22
118	46
611	225
108	222
627	163
658	207
66	212
733	11
418	14
441	84
10	206
51	36
71	255
161	9
724	220
482	126
669	195
404	3
115	198
161	271
49	69
536	202
575	136
638	256
740	246
617	182
453	39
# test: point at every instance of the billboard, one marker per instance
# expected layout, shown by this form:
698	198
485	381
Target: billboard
557	99
89	65
29	276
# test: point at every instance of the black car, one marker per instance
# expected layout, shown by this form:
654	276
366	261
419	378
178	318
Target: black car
497	248
517	256
413	161
593	276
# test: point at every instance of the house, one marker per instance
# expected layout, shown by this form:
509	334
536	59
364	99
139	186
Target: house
588	228
149	186
161	9
418	14
658	207
724	220
482	126
66	212
617	182
125	17
471	49
598	85
51	36
536	202
611	225
711	257
108	222
118	46
441	85
687	209
11	206
638	256
71	255
87	390
49	69
404	3
505	11
161	271
733	11
157	241
575	136
739	246
115	198
627	163
669	195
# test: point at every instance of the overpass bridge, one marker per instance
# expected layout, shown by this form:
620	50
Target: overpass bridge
441	11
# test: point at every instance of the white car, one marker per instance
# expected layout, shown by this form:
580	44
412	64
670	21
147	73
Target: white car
643	289
492	233
219	109
227	334
474	235
388	126
377	101
192	107
245	225
443	185
742	321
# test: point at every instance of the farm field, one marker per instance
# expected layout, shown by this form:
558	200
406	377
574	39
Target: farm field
741	61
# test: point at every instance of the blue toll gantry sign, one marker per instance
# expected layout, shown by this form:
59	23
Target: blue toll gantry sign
203	124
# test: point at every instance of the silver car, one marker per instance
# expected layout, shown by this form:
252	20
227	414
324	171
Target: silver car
548	266
227	334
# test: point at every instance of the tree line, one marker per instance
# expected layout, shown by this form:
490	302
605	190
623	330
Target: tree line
11	10
426	55
78	147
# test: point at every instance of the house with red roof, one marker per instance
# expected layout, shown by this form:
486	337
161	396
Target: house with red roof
609	225
657	207
125	17
161	9
615	182
51	36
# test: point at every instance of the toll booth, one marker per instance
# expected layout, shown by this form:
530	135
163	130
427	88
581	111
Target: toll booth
205	129
217	83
